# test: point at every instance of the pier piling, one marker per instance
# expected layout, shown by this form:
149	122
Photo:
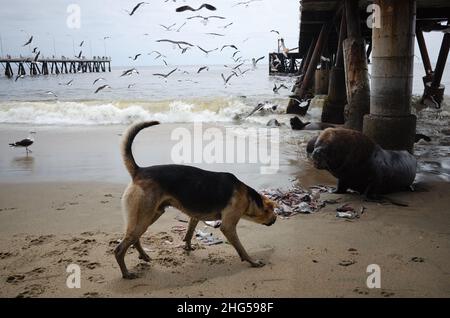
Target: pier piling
390	122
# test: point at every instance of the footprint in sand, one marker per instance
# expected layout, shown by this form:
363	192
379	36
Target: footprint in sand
40	240
96	278
14	279
91	295
360	292
416	259
4	255
387	294
31	291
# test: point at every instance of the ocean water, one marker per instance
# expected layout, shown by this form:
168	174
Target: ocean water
187	97
184	97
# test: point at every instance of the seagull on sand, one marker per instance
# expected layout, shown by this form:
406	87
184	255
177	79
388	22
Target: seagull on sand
101	88
165	75
189	8
135	8
24	143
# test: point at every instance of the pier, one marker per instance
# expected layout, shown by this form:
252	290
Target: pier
355	33
46	66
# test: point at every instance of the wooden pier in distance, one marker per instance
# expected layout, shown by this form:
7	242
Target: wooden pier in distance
53	65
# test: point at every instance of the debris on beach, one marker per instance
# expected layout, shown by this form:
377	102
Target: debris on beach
207	238
348	212
215	224
296	200
346	263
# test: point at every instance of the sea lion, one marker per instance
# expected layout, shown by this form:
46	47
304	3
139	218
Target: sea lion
360	164
298	124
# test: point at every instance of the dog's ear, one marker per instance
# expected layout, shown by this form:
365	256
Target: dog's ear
269	204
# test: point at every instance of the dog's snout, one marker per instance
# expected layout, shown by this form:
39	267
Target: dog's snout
271	222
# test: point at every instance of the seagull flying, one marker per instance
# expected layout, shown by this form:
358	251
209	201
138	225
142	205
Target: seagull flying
246	3
202	69
228	78
69	83
255	61
276	89
188	8
165	75
178	30
129	72
98	79
136	7
168	28
207	51
175	42
206	19
81	44
35	50
275	31
101	88
135	57
228	45
29	41
226	26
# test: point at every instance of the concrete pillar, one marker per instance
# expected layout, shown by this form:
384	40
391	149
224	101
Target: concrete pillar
390	122
356	71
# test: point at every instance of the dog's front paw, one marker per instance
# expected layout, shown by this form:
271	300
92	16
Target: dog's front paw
130	276
144	257
257	263
188	248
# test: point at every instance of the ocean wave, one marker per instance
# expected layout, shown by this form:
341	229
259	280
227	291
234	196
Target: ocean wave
95	113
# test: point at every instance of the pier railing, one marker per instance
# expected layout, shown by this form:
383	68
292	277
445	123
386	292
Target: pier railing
54	65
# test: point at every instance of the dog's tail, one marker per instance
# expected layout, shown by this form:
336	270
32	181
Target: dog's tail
128	139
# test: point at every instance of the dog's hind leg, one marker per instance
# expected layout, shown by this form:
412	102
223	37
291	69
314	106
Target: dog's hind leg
142	255
141	212
190	232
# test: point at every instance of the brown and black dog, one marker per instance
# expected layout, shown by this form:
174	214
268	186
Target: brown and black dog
360	164
202	195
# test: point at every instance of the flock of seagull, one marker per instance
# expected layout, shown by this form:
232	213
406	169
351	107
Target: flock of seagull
231	71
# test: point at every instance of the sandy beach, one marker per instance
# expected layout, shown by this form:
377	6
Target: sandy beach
61	205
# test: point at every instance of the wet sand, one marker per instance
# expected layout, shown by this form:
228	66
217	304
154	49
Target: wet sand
63	207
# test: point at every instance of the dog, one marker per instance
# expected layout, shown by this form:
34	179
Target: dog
202	195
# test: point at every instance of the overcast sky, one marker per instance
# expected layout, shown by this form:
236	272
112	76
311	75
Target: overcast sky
46	20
